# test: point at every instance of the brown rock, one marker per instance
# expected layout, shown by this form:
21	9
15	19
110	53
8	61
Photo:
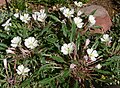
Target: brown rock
2	2
101	16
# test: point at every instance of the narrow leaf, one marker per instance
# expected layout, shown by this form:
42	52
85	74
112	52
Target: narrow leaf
58	59
73	32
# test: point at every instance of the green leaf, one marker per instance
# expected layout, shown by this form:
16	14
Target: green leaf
58	59
103	72
93	12
48	80
78	41
1	48
3	45
73	33
76	85
3	35
54	18
25	83
66	73
46	29
64	29
97	27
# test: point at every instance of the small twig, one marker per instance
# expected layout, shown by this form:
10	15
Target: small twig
15	70
7	5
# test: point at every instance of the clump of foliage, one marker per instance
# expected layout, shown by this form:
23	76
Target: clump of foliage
55	48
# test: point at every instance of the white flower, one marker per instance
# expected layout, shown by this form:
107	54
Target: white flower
7	24
68	13
40	16
79	13
106	38
63	21
72	66
10	50
5	63
35	15
98	66
62	8
92	20
79	4
25	18
31	42
16	41
78	22
21	70
92	54
67	48
16	15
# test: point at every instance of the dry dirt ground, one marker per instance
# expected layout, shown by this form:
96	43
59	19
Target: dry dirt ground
112	6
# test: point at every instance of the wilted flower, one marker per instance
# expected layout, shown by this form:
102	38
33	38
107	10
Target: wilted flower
10	50
16	41
21	70
7	24
92	54
87	42
16	15
68	13
5	63
40	16
86	57
78	22
79	13
72	66
67	48
98	66
92	20
79	4
25	18
31	42
106	38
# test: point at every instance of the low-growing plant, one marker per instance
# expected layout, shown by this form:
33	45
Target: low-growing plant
55	49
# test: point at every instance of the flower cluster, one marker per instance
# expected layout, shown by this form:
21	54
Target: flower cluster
91	20
30	42
61	44
78	22
67	48
39	16
69	13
